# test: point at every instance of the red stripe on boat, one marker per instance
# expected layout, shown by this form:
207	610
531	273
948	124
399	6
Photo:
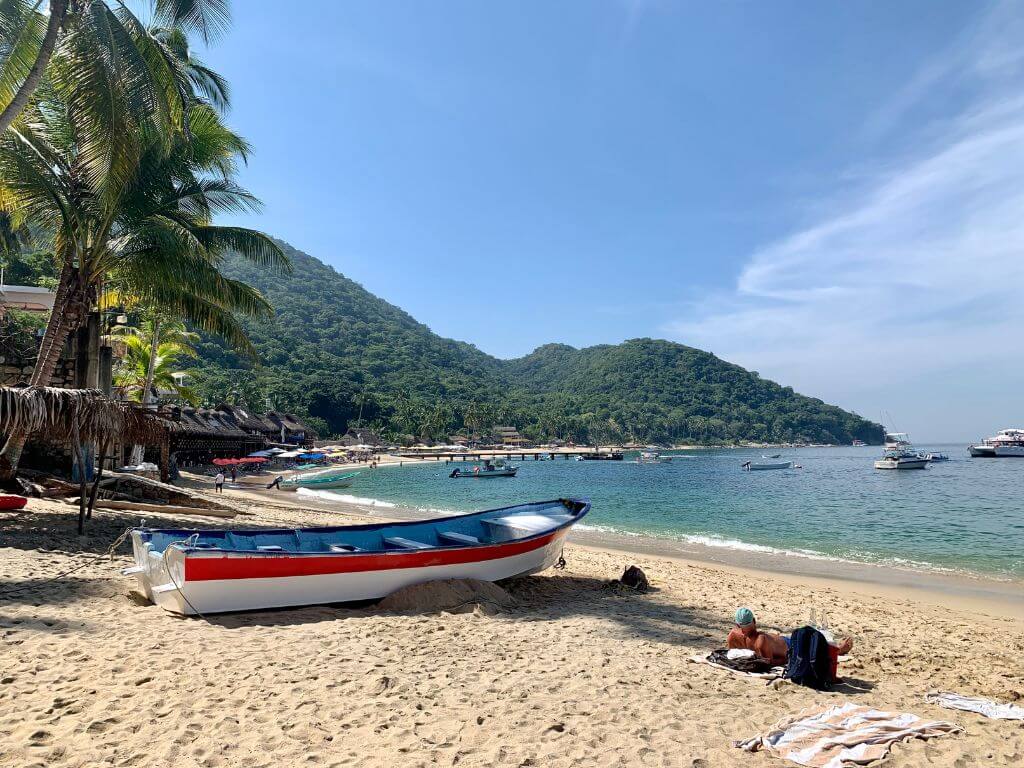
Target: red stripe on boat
270	566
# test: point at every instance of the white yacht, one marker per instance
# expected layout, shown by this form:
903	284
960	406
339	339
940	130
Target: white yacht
900	454
1007	443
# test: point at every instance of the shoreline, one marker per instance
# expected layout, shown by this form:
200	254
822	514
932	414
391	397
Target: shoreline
972	592
572	673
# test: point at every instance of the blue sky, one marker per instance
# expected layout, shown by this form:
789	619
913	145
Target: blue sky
829	193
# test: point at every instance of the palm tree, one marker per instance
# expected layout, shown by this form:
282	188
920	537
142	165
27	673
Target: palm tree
149	362
148	226
107	40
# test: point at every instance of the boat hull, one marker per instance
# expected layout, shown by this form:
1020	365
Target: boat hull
327	485
1010	451
216	595
982	451
920	463
481	475
189	578
764	466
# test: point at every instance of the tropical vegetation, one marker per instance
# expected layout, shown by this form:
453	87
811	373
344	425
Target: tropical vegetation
152	358
339	355
118	161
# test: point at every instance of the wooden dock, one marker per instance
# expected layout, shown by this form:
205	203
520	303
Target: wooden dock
521	454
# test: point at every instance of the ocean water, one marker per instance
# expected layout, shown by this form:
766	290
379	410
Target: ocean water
963	515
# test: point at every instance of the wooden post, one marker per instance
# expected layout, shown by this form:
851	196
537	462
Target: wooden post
104	445
76	447
165	457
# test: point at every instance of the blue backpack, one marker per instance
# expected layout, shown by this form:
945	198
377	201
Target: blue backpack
809	662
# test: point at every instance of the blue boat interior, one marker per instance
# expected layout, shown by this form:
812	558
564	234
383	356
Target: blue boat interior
477	528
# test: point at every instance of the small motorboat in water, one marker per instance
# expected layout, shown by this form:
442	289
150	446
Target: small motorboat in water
652	457
320	481
757	465
211	571
487	469
934	456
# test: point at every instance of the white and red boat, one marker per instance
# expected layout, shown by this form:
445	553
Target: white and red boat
212	571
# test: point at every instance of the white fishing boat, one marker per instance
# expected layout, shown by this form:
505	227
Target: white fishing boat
211	571
652	457
900	453
499	468
753	466
935	456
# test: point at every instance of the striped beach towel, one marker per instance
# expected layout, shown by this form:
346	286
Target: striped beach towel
843	734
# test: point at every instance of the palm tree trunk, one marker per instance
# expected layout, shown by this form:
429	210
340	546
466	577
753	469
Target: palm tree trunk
154	344
65	317
58	10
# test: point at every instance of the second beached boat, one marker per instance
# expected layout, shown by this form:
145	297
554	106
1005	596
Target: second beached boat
210	571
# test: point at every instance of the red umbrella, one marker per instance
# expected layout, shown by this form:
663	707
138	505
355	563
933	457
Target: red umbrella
225	462
251	460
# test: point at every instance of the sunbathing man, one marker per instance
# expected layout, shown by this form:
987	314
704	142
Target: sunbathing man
768	645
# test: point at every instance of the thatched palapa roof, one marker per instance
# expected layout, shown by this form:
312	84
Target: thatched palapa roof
56	414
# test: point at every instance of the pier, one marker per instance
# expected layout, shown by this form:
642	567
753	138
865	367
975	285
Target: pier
512	454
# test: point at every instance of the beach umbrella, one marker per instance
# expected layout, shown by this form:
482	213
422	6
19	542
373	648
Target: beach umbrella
258	454
225	462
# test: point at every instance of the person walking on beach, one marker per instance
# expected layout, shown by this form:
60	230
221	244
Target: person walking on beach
234	475
218	482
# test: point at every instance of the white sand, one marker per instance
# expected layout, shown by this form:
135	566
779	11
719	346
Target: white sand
575	674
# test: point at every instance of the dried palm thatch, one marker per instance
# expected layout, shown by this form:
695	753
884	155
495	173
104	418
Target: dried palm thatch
81	415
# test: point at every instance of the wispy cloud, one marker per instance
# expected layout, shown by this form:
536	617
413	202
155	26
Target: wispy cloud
919	271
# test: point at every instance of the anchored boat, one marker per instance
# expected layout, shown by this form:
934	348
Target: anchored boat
487	469
211	571
652	457
900	454
756	465
318	481
1008	443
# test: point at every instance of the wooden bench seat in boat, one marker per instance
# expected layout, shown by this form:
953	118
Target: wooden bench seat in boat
458	538
400	543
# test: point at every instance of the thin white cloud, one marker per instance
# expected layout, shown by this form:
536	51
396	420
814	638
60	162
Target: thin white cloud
918	273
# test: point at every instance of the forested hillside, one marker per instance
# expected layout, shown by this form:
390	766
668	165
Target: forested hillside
335	351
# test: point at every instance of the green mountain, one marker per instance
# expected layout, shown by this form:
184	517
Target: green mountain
337	354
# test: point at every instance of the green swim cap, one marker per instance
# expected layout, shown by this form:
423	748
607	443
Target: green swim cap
744	616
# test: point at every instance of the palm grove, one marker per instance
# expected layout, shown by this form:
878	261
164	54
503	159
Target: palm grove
115	159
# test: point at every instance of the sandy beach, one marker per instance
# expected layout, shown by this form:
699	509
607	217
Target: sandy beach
577	673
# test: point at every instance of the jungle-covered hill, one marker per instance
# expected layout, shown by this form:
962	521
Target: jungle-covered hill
335	350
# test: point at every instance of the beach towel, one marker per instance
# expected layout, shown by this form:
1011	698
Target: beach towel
843	734
710	659
985	707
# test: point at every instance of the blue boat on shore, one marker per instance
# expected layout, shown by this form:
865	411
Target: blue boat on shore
210	571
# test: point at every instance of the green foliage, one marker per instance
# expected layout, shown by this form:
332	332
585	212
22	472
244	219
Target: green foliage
30	268
332	345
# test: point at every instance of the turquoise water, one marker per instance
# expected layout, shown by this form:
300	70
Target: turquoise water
965	514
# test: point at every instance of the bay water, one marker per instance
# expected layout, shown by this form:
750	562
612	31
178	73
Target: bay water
965	515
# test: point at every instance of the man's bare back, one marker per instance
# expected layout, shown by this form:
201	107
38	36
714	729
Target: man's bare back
767	645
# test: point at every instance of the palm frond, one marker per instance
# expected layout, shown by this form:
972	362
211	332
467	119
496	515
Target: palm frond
208	18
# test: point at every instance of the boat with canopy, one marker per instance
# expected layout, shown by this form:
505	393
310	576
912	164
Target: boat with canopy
211	571
487	469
